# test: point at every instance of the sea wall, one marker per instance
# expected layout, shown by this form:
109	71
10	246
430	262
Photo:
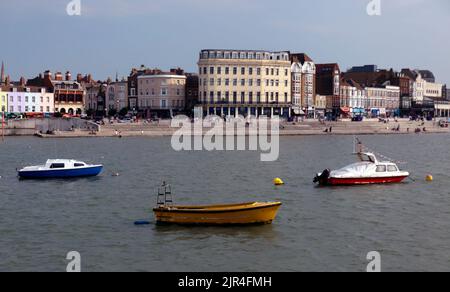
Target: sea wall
33	126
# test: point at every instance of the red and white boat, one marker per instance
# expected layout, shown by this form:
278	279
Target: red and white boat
368	171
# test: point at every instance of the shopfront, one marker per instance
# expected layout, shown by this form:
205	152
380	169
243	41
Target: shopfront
358	112
345	112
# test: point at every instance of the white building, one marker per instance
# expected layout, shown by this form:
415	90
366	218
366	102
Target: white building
303	72
27	99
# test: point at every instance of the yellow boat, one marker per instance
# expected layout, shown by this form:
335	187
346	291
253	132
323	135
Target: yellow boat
235	214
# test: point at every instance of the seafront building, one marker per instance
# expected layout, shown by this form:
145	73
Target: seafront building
133	87
68	94
117	95
233	82
27	99
161	93
383	101
353	98
328	78
192	92
303	82
371	76
3	100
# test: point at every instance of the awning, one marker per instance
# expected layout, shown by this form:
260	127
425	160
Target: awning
358	110
298	111
345	109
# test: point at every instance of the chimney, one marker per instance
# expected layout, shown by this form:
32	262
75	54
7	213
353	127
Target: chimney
22	81
48	75
79	78
58	76
177	71
68	76
8	80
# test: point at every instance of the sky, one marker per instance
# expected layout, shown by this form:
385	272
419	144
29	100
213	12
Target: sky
113	36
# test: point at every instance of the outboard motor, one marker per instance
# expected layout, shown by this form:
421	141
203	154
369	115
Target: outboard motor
323	178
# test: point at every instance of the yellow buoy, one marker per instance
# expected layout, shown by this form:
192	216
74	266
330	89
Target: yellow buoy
429	178
278	182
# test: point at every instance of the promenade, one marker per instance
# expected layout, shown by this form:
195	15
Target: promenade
369	127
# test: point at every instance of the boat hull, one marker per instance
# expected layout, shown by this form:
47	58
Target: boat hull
242	214
365	181
63	173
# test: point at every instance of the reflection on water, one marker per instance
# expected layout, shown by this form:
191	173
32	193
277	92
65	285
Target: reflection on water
318	229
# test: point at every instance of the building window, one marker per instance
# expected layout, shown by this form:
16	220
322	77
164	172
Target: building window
258	71
242	82
250	71
235	70
219	70
243	71
164	91
227	70
242	97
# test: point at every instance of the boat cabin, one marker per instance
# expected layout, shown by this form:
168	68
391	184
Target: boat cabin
62	164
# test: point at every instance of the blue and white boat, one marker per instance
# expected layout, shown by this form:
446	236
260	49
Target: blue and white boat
60	168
